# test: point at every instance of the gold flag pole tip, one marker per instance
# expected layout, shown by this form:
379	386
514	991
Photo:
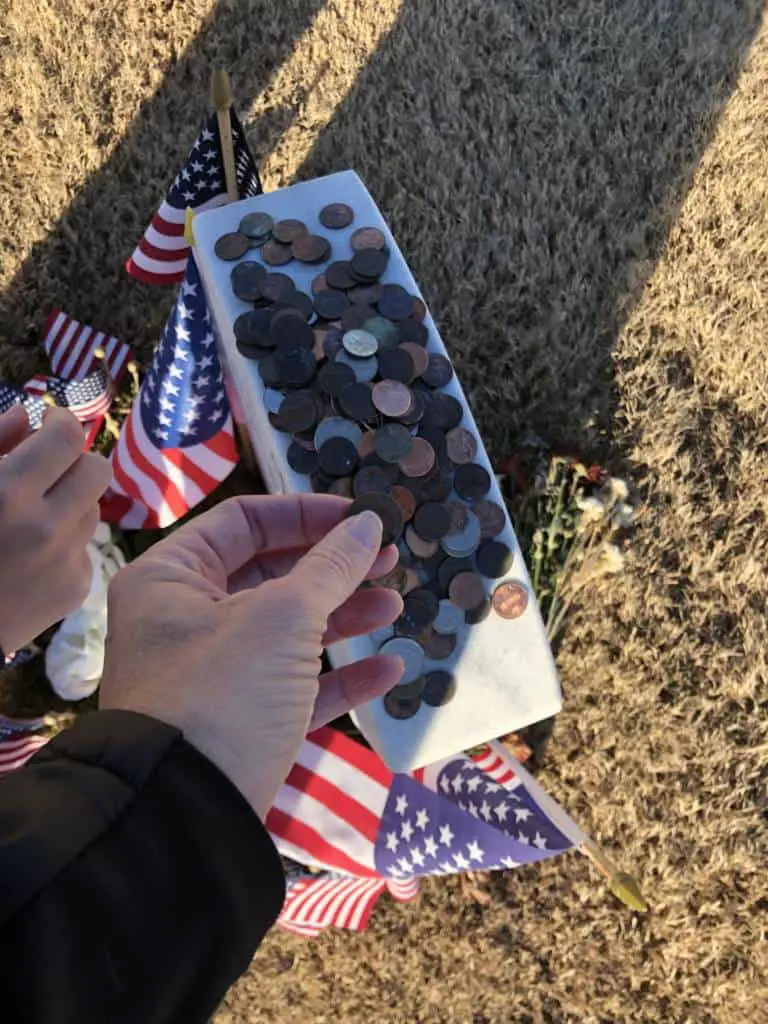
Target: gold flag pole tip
625	888
221	90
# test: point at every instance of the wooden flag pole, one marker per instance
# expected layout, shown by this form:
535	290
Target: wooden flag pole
221	101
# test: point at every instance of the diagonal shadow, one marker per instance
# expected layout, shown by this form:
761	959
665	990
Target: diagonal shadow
531	158
79	264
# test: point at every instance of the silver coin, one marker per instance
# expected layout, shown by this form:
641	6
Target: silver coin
412	655
360	343
450	619
460	545
364	369
383	330
256	225
272	400
337	426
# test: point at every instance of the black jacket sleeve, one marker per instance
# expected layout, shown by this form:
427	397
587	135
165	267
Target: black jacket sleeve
135	881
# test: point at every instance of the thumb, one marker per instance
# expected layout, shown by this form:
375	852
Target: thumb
334	568
14	428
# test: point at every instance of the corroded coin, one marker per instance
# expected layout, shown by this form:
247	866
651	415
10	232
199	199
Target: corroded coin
368	265
396	364
510	600
387	511
413	331
277	287
336	216
478	614
418	356
472	481
451	568
360	343
311	248
438	372
419	612
354	318
419	460
494	558
331	303
246	279
442	411
439	688
383	330
371	480
288	230
462	445
298	412
256	226
432	521
301	459
275	254
338	457
459	514
437	646
319	284
391	398
467	590
338	275
491	516
356	402
365	294
393	442
367	238
405	500
396	303
334	377
232	246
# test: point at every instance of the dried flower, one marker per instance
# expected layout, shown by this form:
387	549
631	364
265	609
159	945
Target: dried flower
611	559
617	488
623	515
592	511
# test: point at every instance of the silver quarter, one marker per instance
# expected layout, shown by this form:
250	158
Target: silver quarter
412	655
450	619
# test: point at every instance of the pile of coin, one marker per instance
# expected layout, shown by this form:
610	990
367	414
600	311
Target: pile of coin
350	378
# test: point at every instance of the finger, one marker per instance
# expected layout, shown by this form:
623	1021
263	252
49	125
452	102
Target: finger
79	488
348	687
231	535
365	611
335	567
275	564
48	453
14	427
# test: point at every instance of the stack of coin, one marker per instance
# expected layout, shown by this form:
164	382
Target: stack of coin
353	382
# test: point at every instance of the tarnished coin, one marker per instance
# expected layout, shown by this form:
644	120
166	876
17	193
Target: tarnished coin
419	460
478	614
405	500
336	216
367	238
438	372
365	294
246	279
396	364
387	511
439	688
334	377
301	459
413	331
393	442
451	568
383	330
462	445
419	611
510	600
297	412
365	446
337	457
338	275
491	516
371	480
296	365
277	287
418	356
256	226
232	246
288	230
401	707
356	402
319	284
364	369
420	547
360	343
432	521
450	619
494	559
301	302
354	318
437	646
331	303
419	310
368	265
464	544
391	398
289	331
336	426
472	481
311	248
459	514
467	590
416	411
253	328
393	580
395	302
442	411
405	690
275	254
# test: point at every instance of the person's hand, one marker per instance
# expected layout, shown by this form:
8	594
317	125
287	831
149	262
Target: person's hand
49	490
219	629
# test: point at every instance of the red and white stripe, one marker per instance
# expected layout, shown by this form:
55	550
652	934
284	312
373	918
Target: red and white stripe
154	487
71	346
85	411
403	890
15	753
161	255
312	905
495	761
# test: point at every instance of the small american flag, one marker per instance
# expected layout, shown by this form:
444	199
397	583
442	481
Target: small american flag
10	396
71	348
15	752
88	398
161	255
177	444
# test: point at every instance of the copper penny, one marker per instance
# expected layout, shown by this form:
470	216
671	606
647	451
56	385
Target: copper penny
232	246
437	646
405	499
467	590
391	397
311	248
367	238
462	445
336	215
275	254
418	355
366	444
491	516
419	311
420	547
419	460
510	600
459	514
319	284
288	230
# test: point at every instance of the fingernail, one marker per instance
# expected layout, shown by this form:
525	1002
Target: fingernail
366	528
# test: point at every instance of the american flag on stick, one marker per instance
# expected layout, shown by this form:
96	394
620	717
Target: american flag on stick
177	444
161	255
72	348
88	398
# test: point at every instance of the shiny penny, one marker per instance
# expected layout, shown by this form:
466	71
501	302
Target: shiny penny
510	600
462	445
467	590
419	460
232	246
367	238
391	398
336	216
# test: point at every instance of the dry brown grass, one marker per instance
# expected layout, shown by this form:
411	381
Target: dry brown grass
580	188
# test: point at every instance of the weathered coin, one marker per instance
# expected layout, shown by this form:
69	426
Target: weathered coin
419	460
275	254
472	481
364	369
383	330
418	355
297	366
442	411
459	514
370	480
419	310
297	412
432	521
478	614
253	328
288	230
431	566
387	511
337	457
354	318
336	426
393	580
420	609
405	500
467	590
420	547
416	411
246	279
277	287
395	364
365	294
395	302
336	216
464	544
462	445
393	442
413	331
450	618
301	459
367	238
439	688
451	568
331	303
256	226
369	265
439	370
365	446
510	600
270	372
492	517
232	246
338	275
392	398
360	344
311	248
319	284
356	402
405	690
341	487
401	708
494	559
291	331
334	377
437	646
437	486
